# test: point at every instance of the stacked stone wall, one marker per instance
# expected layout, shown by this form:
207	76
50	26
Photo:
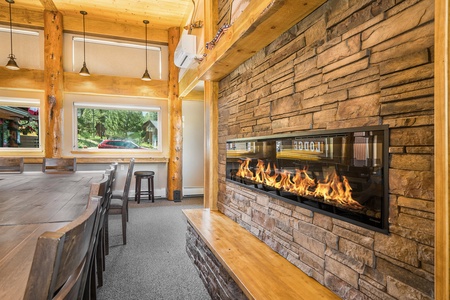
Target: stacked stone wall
348	64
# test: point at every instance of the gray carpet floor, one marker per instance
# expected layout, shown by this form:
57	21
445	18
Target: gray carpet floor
154	263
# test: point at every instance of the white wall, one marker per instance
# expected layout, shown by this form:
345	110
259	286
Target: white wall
28	47
193	147
120	58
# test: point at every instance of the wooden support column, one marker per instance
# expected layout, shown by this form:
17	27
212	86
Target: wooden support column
442	149
53	82
211	190
175	178
211	94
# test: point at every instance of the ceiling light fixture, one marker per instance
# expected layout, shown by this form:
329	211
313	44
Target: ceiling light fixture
84	70
146	76
12	65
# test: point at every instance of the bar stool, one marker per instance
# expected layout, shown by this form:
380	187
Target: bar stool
138	192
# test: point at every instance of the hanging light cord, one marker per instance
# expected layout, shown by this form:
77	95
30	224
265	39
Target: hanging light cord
84	40
146	54
10	27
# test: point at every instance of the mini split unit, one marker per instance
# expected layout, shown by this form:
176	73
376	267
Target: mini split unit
185	52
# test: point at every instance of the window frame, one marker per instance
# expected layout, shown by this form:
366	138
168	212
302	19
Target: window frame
114	106
25	102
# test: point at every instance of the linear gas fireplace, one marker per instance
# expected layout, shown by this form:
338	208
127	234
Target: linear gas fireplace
340	173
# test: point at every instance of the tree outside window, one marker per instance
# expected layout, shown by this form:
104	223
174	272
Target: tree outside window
117	128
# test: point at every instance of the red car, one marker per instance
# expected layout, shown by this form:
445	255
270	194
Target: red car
118	144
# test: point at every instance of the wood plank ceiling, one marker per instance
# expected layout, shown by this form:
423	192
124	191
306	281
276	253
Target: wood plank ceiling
124	15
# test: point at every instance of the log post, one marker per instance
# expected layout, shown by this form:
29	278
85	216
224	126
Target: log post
175	179
53	82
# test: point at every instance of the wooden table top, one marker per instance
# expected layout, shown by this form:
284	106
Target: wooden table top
30	204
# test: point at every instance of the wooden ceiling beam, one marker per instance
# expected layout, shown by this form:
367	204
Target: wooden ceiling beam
258	25
23	79
188	82
35	19
195	95
33	80
49	5
115	30
115	85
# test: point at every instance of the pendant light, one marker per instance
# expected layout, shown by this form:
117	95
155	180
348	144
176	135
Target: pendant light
84	70
146	76
12	65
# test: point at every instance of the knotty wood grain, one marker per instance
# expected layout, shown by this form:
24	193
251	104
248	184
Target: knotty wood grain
174	172
442	151
258	270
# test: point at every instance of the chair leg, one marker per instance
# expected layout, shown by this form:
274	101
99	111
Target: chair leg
124	228
106	234
127	208
99	260
137	190
91	285
148	188
153	190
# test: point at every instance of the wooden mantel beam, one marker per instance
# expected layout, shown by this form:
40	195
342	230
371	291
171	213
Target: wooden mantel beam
258	25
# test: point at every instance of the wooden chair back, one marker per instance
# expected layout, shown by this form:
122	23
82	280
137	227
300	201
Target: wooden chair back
59	165
126	189
97	260
120	206
113	179
11	164
61	259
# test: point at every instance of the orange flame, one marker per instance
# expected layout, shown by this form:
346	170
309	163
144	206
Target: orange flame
331	189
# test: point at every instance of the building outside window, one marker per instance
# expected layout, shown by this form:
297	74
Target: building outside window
19	124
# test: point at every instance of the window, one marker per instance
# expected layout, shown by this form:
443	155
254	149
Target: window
19	123
115	127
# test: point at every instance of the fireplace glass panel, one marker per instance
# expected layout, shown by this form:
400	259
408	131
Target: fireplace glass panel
342	173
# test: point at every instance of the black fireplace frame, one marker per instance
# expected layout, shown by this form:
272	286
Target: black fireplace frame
383	227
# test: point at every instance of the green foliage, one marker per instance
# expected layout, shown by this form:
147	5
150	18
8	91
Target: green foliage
99	124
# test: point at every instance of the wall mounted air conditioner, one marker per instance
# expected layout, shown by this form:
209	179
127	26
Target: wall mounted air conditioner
185	51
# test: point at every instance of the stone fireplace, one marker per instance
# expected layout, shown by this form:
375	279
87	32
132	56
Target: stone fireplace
349	64
340	173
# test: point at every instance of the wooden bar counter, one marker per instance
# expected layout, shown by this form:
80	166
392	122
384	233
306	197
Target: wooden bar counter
30	204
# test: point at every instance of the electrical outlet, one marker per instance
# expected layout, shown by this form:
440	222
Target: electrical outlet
122	167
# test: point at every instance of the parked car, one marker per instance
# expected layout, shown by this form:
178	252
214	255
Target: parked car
118	144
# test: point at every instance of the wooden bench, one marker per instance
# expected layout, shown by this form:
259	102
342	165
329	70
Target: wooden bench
258	271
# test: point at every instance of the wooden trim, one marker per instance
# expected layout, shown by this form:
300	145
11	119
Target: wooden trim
442	149
104	160
175	168
53	82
